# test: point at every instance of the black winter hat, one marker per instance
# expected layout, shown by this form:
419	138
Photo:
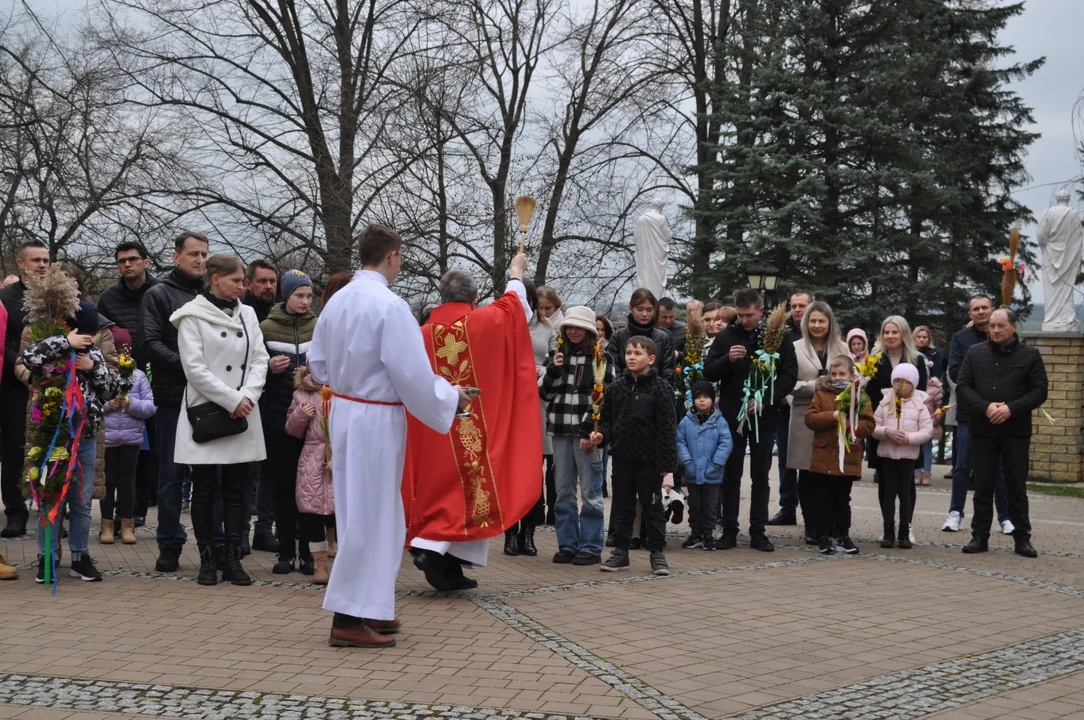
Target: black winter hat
703	387
86	319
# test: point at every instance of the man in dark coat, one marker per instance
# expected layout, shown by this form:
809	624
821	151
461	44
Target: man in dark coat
158	348
261	287
32	259
668	322
1002	381
121	303
728	363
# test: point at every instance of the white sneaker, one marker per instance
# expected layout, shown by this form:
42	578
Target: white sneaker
911	534
955	519
1007	527
881	537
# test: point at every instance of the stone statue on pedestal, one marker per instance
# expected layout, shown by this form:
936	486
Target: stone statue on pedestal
652	238
1061	240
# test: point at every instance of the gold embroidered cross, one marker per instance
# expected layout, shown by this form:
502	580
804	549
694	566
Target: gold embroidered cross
451	349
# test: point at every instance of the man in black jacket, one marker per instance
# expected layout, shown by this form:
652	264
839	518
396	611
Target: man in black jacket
32	259
728	363
668	322
120	303
158	348
261	287
1002	381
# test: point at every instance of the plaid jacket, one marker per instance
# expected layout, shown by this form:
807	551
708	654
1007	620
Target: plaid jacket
567	389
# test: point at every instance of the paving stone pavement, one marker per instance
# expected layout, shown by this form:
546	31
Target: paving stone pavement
737	634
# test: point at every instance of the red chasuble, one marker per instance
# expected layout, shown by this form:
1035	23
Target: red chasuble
482	477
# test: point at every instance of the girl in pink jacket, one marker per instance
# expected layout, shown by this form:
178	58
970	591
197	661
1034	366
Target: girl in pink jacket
903	425
307	419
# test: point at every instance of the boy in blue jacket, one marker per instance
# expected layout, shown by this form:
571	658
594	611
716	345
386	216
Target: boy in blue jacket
704	444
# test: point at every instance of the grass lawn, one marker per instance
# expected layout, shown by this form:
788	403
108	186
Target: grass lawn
1062	490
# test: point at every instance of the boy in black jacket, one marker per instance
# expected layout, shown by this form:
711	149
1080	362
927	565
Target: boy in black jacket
639	423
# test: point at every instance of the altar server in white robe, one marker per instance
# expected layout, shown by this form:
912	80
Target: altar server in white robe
367	346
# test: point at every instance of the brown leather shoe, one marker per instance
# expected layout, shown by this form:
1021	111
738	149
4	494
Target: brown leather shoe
384	627
361	636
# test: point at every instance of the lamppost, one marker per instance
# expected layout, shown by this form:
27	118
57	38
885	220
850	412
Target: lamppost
764	279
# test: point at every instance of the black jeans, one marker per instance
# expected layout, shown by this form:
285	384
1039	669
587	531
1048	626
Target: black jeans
280	468
634	481
897	480
988	453
760	465
830	504
204	478
13	400
551	491
120	482
312	528
806	500
703	508
146	488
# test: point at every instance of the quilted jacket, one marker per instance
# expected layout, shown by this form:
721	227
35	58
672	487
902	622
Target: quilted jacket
314	491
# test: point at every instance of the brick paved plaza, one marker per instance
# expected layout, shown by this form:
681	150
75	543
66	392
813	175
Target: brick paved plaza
928	632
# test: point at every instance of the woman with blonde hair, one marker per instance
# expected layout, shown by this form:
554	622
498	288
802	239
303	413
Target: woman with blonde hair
821	343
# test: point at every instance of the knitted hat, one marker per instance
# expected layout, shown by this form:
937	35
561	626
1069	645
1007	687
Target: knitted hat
292	280
703	387
85	320
581	317
122	339
906	371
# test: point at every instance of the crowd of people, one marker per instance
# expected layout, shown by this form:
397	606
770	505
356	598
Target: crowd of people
266	408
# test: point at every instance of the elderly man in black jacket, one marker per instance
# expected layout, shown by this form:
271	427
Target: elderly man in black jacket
158	348
728	363
1001	382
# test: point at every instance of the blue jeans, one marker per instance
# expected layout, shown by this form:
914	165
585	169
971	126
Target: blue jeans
925	460
171	475
788	479
78	501
961	477
579	527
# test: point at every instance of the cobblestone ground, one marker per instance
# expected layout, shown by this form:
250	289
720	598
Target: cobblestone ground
928	632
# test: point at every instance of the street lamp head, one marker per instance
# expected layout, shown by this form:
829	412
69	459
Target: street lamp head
755	275
771	278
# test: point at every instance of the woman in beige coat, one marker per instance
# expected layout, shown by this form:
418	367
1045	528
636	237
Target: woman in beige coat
820	344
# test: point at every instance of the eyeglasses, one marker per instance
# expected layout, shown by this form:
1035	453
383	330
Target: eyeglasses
128	260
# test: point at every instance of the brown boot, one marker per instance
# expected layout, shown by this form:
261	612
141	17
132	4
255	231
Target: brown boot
332	545
7	572
384	627
127	531
361	636
105	537
319	560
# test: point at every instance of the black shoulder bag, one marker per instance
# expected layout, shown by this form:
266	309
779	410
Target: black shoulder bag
211	421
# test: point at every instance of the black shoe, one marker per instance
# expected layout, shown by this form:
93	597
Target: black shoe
810	537
635	544
16	527
306	564
564	557
511	542
83	569
246	549
265	542
709	543
1024	548
234	573
432	565
40	577
783	517
677	509
846	545
888	540
977	545
659	566
140	521
903	542
285	565
168	560
618	560
610	542
526	541
694	541
728	541
208	570
826	545
462	583
761	543
586	558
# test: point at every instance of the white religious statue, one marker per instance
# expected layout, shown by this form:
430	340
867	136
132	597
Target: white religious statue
652	237
1061	239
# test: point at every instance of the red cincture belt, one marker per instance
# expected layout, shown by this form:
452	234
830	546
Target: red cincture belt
367	402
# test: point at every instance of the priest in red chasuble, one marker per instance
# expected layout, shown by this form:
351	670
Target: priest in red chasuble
463	488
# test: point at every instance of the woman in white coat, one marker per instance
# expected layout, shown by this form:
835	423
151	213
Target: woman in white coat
821	343
225	363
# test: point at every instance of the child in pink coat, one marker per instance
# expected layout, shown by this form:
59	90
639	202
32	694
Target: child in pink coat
307	419
903	425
